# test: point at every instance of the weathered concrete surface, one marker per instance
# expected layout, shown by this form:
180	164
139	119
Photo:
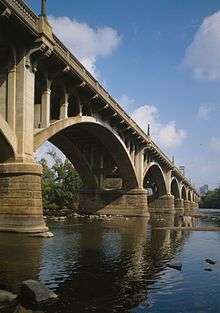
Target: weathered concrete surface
20	198
179	205
165	204
114	202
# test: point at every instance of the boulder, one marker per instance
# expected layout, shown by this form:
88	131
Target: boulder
36	292
209	261
177	266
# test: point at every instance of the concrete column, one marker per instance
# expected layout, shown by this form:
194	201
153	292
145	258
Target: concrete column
133	154
20	198
64	107
25	79
168	176
187	206
139	166
11	96
114	202
45	108
179	205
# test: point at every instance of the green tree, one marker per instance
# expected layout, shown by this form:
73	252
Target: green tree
60	183
212	199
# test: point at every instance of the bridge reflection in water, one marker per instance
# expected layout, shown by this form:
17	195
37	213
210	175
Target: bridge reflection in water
95	266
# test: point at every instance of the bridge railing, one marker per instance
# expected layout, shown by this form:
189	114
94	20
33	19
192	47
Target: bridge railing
23	10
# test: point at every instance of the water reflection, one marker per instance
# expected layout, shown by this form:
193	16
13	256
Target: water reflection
20	259
95	266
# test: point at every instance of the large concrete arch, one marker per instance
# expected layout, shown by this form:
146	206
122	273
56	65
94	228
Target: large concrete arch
110	140
8	141
174	187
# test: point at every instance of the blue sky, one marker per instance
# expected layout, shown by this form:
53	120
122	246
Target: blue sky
161	60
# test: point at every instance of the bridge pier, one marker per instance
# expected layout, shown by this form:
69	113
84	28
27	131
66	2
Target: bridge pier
21	198
179	205
164	204
114	202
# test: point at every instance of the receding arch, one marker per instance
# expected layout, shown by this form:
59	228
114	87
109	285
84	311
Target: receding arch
189	196
112	143
154	181
175	191
183	193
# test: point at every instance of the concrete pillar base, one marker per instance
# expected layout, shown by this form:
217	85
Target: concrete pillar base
114	202
20	198
194	206
164	204
189	207
179	205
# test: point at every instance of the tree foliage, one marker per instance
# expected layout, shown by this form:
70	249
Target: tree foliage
60	183
212	199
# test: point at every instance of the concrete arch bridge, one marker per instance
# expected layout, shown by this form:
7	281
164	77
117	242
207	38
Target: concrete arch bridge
47	95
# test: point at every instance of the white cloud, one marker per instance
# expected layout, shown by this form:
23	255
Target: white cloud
127	103
205	110
215	143
85	42
203	55
166	135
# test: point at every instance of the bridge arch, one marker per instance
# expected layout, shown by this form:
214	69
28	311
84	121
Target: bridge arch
154	181
175	191
65	133
183	193
189	196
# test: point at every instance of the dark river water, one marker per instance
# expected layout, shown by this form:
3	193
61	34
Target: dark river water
119	265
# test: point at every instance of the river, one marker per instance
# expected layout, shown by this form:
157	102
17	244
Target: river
119	265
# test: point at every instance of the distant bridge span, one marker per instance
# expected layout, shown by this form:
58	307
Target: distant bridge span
46	94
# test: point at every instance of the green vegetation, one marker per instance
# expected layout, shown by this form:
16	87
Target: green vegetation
211	199
60	183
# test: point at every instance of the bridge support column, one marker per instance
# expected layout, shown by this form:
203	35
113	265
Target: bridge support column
196	205
187	207
179	205
164	204
114	202
20	198
193	206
